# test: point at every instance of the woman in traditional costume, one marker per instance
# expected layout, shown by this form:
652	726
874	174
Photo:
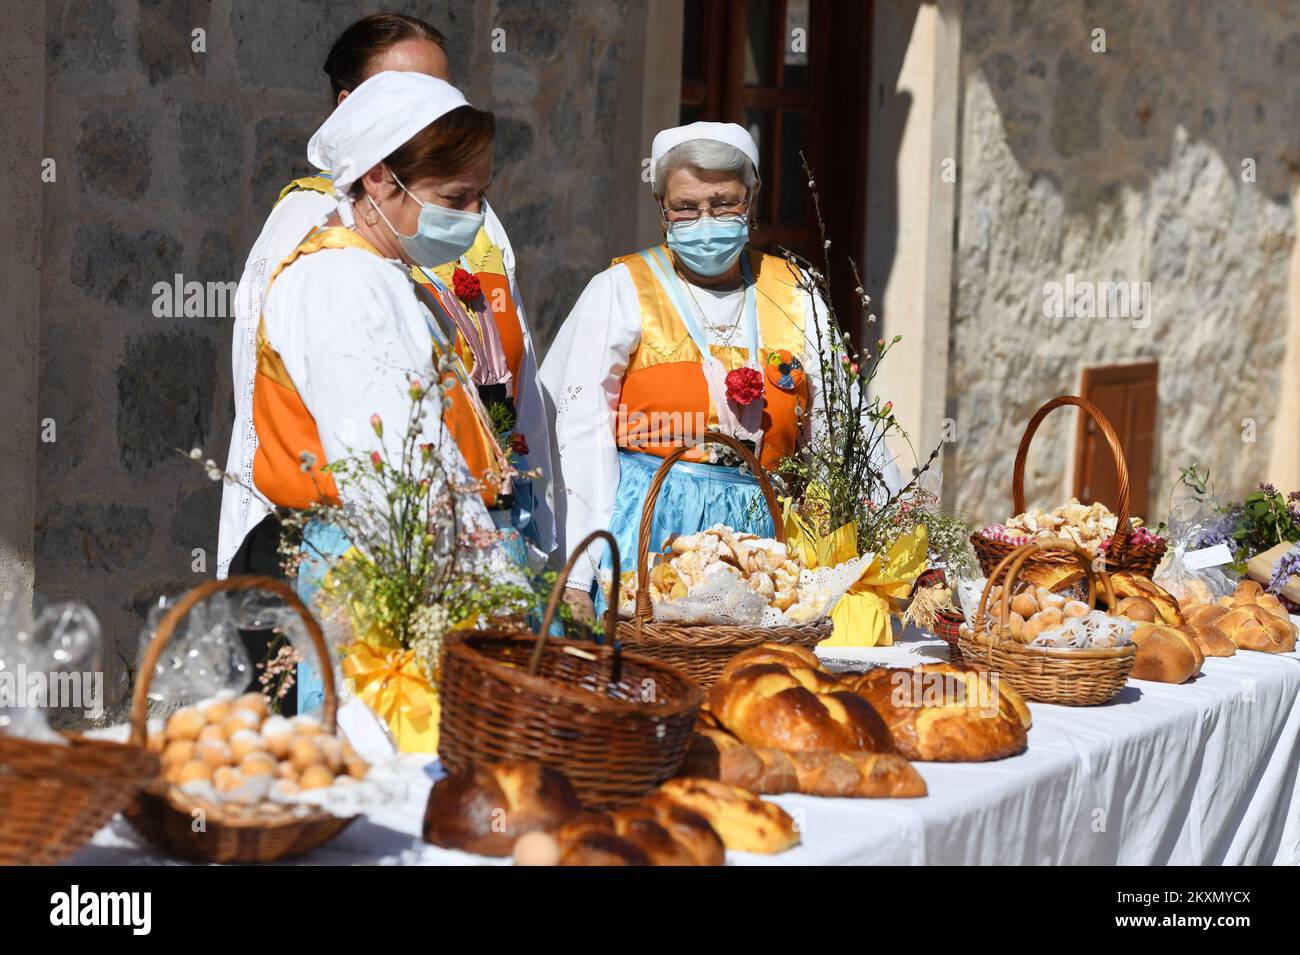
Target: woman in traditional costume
700	333
478	288
345	325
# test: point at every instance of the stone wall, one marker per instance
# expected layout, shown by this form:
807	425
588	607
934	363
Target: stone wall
168	161
1125	165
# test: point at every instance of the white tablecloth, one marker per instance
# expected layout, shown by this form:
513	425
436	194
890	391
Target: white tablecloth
1205	772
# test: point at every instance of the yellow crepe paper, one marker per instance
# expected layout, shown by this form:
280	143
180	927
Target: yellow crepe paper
861	617
392	684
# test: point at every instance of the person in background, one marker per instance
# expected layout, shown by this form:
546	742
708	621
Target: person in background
700	333
493	338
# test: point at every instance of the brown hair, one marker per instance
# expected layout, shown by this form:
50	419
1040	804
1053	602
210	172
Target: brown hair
447	146
349	59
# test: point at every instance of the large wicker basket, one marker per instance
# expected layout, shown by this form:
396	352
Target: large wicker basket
1045	674
616	724
53	799
165	815
1123	553
702	650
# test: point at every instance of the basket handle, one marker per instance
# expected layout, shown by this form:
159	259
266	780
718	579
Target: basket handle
1122	528
1011	565
166	629
643	609
611	615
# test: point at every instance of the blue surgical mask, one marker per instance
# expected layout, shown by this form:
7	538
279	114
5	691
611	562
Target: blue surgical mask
709	246
441	235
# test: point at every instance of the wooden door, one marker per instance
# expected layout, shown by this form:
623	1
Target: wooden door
1127	395
796	74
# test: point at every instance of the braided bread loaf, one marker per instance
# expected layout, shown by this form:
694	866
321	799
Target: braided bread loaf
777	697
946	712
1250	618
716	754
653	832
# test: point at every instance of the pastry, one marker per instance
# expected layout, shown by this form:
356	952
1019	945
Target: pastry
946	712
485	808
590	840
1250	618
1127	584
716	754
1165	655
1139	609
744	822
1212	641
779	698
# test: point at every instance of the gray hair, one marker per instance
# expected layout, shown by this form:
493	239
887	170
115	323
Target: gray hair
706	155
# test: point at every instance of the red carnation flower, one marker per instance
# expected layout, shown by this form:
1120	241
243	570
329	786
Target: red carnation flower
518	443
744	385
466	285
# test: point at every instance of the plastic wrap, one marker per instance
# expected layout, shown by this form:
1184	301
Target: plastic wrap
204	657
1194	522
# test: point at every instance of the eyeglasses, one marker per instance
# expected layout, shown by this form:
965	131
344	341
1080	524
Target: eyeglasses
720	209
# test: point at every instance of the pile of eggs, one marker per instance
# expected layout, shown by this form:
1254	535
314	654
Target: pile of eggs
247	754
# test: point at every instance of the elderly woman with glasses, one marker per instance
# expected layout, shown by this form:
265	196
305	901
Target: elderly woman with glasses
700	333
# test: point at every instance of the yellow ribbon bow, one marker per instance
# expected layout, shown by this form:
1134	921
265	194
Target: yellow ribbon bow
393	686
861	616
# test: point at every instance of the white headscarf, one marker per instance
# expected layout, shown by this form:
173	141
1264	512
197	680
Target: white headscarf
729	133
375	119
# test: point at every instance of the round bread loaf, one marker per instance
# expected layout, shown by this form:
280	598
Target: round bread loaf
1164	655
486	808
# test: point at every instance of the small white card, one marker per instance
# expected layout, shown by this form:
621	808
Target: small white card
1215	556
368	736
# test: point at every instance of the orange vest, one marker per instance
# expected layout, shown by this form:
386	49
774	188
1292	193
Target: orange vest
285	428
665	400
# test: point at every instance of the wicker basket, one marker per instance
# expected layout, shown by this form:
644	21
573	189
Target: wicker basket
616	724
1121	554
702	650
164	815
53	799
1046	674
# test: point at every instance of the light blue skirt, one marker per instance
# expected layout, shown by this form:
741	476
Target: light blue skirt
694	497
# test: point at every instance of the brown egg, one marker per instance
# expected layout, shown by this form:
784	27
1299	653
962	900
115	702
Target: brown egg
316	777
192	771
536	848
331	751
304	753
1048	599
257	764
215	711
277	734
1016	624
306	726
214	752
357	768
237	720
212	731
244	742
227	778
1075	608
286	770
178	753
254	703
185	723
